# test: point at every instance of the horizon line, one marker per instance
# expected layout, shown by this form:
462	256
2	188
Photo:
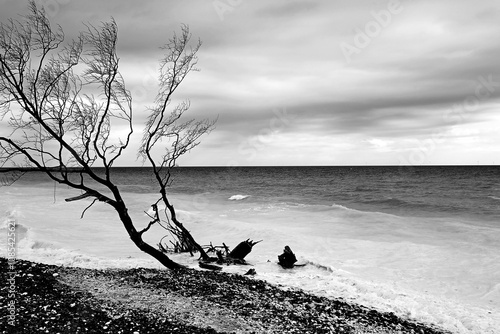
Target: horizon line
6	169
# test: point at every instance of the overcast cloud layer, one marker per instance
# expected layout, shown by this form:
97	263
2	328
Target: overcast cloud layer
318	82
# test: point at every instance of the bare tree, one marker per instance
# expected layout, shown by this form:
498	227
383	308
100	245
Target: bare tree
62	103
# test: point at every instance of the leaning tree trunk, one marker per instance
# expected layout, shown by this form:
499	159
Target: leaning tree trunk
136	237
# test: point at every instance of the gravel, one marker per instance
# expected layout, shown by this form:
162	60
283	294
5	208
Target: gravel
54	299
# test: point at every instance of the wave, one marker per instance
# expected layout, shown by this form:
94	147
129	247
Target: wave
333	211
415	208
332	282
326	268
338	206
238	197
29	245
389	201
494	197
10	224
25	239
33	249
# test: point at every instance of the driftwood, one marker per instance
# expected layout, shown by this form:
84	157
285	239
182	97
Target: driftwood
206	265
287	259
251	272
224	256
243	249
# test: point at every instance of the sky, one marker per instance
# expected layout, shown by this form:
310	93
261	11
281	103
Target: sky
316	82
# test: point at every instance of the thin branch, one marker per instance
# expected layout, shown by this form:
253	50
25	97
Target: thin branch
151	223
88	207
77	198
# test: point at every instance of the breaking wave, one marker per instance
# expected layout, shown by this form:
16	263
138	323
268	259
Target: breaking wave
238	197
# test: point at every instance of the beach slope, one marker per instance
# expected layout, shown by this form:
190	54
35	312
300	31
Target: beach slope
55	299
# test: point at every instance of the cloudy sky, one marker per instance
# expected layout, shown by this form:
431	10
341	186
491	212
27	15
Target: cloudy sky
318	82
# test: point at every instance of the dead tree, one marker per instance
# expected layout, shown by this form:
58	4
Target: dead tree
67	106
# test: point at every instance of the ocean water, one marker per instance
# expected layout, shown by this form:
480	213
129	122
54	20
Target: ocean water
422	242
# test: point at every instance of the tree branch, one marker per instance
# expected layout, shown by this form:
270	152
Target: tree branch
65	103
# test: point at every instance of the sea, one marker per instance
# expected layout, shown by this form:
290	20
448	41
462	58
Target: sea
421	242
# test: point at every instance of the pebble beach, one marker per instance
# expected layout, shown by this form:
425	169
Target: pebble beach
58	299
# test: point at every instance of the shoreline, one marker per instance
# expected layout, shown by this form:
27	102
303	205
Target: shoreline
58	299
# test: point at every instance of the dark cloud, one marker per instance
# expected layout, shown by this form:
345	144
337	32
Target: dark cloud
259	56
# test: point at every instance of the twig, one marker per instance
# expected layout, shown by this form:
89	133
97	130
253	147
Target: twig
88	207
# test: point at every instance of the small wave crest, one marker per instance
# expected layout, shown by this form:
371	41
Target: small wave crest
338	206
388	201
24	238
319	266
238	197
360	213
10	223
